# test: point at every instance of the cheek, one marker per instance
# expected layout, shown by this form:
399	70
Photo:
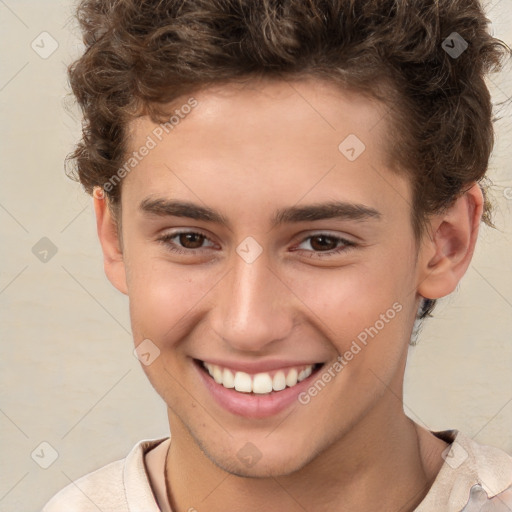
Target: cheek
164	297
364	310
366	316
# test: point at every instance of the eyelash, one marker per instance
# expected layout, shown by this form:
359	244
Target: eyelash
346	244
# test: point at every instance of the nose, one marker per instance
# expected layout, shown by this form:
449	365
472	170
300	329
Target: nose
253	307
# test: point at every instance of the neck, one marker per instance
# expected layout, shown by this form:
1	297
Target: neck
392	469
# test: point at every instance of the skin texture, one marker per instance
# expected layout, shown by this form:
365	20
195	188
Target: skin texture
246	151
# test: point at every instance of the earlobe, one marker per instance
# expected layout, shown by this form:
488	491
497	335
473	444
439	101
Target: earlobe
447	252
113	259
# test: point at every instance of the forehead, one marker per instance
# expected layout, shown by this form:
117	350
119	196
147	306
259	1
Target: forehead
275	107
260	143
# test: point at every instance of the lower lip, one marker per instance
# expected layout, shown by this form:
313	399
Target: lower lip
252	405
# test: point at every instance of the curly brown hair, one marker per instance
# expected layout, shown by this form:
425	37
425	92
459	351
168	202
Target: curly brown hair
142	54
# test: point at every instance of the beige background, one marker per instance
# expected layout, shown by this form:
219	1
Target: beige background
68	375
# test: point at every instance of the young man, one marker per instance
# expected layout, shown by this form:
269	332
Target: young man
282	188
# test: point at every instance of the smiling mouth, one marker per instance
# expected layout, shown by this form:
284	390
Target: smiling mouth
263	383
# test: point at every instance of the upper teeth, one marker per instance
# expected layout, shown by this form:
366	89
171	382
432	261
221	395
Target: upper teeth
261	383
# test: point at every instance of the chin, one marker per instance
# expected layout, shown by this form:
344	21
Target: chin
261	466
260	470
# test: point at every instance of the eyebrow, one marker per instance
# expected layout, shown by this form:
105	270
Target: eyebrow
294	214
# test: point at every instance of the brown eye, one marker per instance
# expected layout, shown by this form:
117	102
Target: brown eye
323	243
191	240
186	242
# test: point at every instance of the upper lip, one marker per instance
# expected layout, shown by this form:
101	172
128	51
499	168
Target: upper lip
258	366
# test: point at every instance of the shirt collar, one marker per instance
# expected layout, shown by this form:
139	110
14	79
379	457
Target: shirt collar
137	488
467	463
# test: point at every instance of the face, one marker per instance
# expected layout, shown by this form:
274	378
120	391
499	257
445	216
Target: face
259	236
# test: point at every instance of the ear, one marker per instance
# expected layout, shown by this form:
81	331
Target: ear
447	250
113	261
